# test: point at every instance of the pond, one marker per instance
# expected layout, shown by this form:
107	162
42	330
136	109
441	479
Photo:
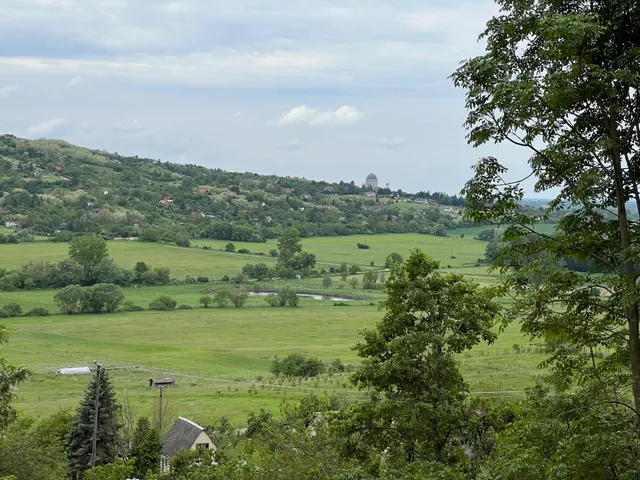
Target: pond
306	295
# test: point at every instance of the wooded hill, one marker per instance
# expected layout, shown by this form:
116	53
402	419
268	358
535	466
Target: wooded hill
47	186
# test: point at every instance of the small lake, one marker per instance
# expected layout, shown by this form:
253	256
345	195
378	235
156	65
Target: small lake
305	295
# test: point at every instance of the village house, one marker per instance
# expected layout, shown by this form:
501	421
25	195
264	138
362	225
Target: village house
168	199
371	194
184	434
11	224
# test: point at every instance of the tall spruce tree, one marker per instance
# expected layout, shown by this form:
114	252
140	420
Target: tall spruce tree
79	440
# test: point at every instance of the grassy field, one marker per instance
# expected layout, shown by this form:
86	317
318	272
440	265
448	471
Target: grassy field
329	251
220	357
474	231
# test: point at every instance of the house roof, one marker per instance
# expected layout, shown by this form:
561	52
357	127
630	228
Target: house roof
372	176
183	434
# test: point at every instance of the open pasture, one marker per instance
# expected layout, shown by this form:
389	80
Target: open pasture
214	263
220	357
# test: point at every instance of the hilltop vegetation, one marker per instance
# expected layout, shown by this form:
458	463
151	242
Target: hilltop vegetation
48	186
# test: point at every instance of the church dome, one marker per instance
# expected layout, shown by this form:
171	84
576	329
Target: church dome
372	176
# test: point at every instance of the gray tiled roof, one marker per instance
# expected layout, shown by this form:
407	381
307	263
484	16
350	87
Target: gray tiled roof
183	434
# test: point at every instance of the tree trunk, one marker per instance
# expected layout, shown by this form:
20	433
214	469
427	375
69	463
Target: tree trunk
633	319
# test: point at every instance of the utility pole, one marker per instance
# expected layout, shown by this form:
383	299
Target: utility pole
96	406
160	407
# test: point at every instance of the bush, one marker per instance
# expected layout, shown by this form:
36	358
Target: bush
183	241
203	279
4	314
184	307
354	269
273	300
225	278
338	366
222	298
327	282
238	296
297	365
37	312
240	278
230	247
205	301
332	269
129	306
363	246
393	258
340	304
163	302
13	309
244	250
273	253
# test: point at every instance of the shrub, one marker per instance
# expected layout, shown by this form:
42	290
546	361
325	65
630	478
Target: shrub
393	258
72	299
37	312
129	306
332	269
183	241
363	246
354	269
230	247
238	296
205	301
273	300
327	282
225	278
13	309
203	279
244	250
184	307
273	253
222	298
297	365
4	314
163	302
353	281
338	366
340	304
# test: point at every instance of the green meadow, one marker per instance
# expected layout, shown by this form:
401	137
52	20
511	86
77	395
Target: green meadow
220	358
329	251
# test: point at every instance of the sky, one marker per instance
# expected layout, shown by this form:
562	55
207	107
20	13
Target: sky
321	89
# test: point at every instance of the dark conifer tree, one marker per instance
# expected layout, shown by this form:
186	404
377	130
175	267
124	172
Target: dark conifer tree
79	440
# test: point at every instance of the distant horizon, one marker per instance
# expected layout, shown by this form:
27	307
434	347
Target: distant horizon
318	90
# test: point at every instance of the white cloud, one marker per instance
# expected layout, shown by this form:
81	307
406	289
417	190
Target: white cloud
293	144
132	129
303	115
391	142
47	126
75	81
6	92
